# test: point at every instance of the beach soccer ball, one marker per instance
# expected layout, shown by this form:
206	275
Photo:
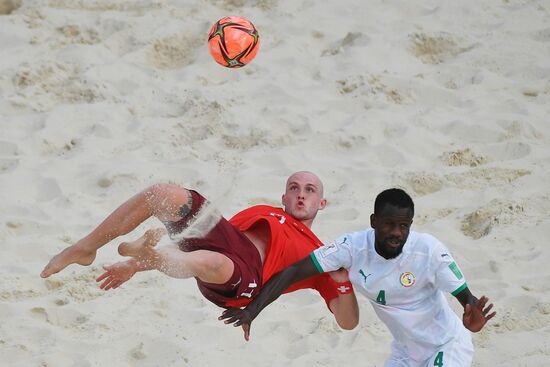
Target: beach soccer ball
233	41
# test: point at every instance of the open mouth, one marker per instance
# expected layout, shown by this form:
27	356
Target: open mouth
393	243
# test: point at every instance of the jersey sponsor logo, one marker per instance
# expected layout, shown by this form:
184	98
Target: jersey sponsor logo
407	279
282	218
456	271
362	273
238	282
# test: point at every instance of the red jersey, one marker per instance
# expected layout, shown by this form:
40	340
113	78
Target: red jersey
290	242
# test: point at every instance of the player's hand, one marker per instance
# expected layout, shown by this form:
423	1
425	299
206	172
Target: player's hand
340	275
238	317
117	274
476	316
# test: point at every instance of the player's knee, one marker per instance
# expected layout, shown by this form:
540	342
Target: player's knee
162	190
165	199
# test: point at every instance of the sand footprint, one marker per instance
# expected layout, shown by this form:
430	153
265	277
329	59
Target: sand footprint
510	319
481	221
542	35
351	39
437	48
76	34
48	189
64	318
173	52
516	129
359	85
203	119
14	288
423	183
137	352
44	86
462	131
463	157
298	348
510	150
478	178
433	215
8	156
9	6
77	288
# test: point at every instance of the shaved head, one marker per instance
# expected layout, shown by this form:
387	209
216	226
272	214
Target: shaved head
303	196
308	176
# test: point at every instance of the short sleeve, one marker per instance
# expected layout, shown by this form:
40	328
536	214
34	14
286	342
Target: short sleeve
333	256
448	276
326	288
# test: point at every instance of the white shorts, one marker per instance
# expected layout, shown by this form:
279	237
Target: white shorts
458	352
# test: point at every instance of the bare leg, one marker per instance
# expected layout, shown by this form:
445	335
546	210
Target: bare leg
165	201
208	266
149	239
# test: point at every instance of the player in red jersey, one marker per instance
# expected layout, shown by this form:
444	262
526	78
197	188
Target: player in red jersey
230	260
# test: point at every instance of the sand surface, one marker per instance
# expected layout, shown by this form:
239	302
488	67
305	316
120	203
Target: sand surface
99	99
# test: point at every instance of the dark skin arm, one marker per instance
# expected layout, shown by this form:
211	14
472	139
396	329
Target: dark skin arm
475	314
298	271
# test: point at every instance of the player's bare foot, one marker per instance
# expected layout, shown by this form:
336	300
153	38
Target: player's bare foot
143	246
74	254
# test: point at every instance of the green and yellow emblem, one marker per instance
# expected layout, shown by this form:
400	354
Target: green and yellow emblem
407	279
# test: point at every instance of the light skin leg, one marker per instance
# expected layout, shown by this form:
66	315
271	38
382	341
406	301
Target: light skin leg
208	266
149	240
167	202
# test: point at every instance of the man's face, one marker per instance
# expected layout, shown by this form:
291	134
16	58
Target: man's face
303	196
391	230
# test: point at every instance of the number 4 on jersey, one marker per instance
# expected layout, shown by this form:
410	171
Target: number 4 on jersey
439	360
381	297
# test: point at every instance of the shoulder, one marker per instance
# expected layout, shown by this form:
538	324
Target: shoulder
426	243
356	239
433	249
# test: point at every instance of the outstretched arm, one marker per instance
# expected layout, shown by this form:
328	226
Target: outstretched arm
344	307
117	274
475	314
298	271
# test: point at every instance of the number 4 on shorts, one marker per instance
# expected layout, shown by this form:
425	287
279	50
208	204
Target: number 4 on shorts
439	360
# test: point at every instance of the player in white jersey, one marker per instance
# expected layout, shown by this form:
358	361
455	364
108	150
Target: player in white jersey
403	274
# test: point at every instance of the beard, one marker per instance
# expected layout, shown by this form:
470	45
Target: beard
387	248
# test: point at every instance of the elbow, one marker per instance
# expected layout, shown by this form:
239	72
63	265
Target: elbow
349	324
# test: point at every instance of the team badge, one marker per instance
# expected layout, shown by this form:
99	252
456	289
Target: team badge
407	279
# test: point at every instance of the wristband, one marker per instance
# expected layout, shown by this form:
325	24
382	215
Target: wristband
344	287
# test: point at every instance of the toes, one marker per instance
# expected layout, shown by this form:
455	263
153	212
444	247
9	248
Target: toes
47	271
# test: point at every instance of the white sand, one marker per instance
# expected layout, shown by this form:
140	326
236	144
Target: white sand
449	100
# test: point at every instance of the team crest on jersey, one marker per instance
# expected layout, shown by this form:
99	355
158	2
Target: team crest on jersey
407	279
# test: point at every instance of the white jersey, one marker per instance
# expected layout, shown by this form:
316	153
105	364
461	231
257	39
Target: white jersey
407	291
